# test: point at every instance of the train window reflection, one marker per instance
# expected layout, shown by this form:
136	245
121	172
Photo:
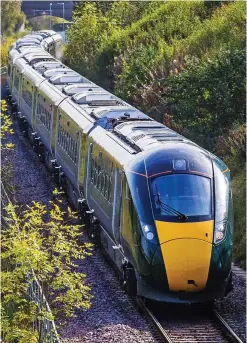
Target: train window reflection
187	193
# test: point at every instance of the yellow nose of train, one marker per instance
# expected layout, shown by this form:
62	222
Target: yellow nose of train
186	250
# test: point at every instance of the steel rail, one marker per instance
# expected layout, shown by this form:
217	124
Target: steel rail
154	320
227	328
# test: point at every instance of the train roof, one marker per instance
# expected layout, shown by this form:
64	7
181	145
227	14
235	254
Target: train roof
80	87
42	34
117	112
66	79
55	71
16	55
28	40
94	97
56	38
34	58
47	64
117	148
133	131
30	48
48	32
34	35
146	134
47	41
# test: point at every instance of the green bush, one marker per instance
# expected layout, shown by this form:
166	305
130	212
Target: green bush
43	22
6	43
209	95
85	36
239	204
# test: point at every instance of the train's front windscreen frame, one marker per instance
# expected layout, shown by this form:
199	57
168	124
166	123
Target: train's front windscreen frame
187	193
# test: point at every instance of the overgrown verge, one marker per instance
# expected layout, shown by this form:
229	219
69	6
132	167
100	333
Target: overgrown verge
46	241
6	43
233	148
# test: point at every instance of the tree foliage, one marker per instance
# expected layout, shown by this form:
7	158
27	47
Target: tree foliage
90	26
6	43
6	127
47	242
43	22
209	95
11	16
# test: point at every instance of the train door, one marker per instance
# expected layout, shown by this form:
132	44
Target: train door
10	73
130	230
16	84
117	206
88	170
81	161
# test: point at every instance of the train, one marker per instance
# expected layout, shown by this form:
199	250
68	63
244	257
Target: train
158	204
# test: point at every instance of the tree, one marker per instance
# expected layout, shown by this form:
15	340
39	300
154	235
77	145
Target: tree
209	96
11	16
85	37
48	243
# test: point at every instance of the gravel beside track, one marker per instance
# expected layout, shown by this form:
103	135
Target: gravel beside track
233	307
113	316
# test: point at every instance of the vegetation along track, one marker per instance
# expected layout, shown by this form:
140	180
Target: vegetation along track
178	324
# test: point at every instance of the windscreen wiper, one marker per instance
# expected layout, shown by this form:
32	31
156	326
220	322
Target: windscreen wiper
168	208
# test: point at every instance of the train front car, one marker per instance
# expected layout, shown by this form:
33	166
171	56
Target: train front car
182	196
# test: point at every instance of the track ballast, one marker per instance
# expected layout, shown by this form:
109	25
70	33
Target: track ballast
179	324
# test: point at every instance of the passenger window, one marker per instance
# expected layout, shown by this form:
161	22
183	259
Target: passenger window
95	173
98	177
109	189
103	183
106	186
92	171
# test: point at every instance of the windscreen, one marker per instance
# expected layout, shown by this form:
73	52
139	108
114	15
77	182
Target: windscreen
187	193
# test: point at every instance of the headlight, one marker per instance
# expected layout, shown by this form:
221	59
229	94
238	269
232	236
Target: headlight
222	194
219	231
149	233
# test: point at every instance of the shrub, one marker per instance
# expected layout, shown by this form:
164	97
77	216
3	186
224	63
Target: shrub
6	43
46	242
209	96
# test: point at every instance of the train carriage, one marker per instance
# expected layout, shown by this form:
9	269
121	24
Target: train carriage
160	205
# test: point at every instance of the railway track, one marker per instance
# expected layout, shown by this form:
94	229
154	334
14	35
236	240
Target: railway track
239	272
178	324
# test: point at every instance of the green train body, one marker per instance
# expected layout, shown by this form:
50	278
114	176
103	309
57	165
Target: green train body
160	205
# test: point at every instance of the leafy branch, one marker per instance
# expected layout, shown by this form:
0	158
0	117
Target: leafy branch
47	241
